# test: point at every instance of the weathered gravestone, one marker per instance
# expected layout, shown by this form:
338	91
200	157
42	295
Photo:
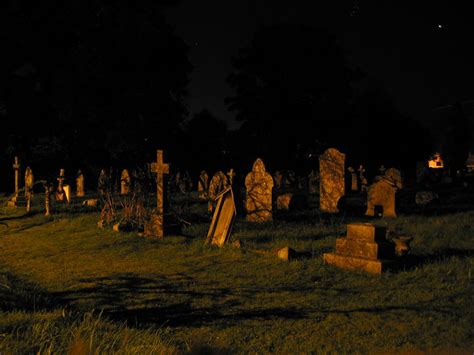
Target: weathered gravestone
155	226
203	184
354	182
67	193
364	248
29	181
80	184
60	194
103	182
222	219
382	193
16	168
331	170
125	182
259	186
47	198
231	176
218	184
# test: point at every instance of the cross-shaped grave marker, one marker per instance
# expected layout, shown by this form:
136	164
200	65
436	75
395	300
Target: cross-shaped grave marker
231	175
159	168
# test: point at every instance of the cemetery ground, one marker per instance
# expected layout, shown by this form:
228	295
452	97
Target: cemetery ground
66	285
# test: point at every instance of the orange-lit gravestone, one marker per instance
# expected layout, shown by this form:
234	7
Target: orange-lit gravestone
223	219
79	184
364	248
331	187
382	193
154	227
125	182
29	181
203	184
259	186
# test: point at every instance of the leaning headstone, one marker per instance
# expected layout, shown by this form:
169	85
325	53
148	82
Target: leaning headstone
364	248
67	193
203	184
79	184
125	182
331	170
218	184
222	219
155	226
259	186
382	193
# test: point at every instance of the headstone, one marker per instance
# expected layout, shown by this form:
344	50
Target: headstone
79	184
259	186
60	194
203	184
313	182
29	181
47	198
332	186
363	180
231	176
125	182
103	182
222	219
382	193
354	185
286	254
16	168
67	193
218	184
283	201
278	178
364	248
155	227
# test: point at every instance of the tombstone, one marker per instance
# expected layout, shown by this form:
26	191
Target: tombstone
60	195
313	182
231	176
278	179
155	226
103	182
203	184
29	181
79	184
259	186
222	219
67	193
47	198
382	193
332	185
218	184
354	182
364	248
125	182
363	180
16	168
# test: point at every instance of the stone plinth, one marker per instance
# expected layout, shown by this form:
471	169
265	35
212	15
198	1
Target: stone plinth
364	248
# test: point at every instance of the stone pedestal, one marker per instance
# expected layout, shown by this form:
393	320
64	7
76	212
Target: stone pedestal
365	248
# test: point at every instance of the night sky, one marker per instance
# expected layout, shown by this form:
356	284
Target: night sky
421	54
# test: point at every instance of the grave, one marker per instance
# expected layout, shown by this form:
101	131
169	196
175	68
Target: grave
80	184
222	219
382	193
364	248
332	185
259	186
125	182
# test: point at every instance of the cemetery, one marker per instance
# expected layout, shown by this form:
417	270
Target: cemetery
363	265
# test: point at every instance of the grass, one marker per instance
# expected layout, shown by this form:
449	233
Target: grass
65	284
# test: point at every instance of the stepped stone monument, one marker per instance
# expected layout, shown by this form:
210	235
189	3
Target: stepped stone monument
364	248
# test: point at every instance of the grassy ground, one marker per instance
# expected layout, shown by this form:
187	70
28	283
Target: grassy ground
66	285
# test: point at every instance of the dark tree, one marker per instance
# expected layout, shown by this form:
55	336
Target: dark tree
104	80
289	82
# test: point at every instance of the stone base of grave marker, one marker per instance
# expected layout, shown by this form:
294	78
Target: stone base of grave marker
364	248
156	228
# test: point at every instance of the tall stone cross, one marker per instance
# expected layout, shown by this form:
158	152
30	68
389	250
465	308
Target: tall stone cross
231	175
159	168
16	167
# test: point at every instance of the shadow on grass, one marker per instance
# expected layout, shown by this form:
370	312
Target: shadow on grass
411	262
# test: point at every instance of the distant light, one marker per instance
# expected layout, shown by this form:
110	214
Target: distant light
440	26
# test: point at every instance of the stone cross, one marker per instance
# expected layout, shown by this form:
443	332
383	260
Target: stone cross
231	175
159	168
61	179
16	167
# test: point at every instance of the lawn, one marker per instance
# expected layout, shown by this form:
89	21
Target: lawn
66	285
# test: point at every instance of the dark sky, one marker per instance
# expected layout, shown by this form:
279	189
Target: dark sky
422	54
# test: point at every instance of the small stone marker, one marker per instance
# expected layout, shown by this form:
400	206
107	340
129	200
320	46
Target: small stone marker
154	227
382	193
67	193
332	185
29	182
354	182
47	199
222	219
283	201
80	184
125	182
287	254
259	186
364	248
